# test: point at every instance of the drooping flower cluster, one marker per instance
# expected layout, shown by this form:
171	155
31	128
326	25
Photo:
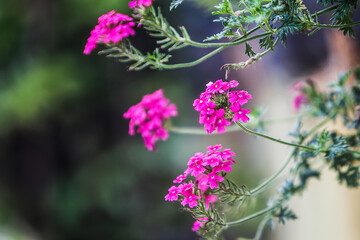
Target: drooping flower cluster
217	104
208	170
149	116
140	3
112	28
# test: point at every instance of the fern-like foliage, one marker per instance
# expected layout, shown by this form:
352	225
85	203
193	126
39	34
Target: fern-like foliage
125	52
157	26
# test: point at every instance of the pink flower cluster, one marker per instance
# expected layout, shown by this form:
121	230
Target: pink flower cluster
301	97
208	170
217	104
140	3
149	116
112	28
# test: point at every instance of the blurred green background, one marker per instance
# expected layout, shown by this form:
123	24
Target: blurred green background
68	168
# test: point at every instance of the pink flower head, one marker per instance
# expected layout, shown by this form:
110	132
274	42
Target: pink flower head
208	170
112	28
218	106
149	116
140	3
199	223
301	97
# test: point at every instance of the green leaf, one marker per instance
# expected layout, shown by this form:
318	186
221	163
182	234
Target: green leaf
249	51
175	3
267	42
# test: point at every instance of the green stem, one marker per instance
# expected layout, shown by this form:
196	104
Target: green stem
265	183
234	128
276	140
261	228
336	26
190	64
325	10
252	216
269	180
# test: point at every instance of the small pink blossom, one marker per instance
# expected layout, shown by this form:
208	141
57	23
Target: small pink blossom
189	197
112	28
299	100
301	97
173	194
140	3
149	116
200	222
180	178
209	199
213	180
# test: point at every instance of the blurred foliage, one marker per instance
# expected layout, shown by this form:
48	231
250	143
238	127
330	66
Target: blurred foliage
38	89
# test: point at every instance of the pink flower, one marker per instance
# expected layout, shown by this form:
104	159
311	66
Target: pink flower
189	197
209	199
195	165
180	179
149	115
213	180
217	104
112	28
173	194
298	100
140	3
208	172
199	223
301	97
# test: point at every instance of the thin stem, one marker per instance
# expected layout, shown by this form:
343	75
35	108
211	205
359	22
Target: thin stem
261	228
252	216
234	128
325	10
269	180
275	140
189	64
265	183
336	26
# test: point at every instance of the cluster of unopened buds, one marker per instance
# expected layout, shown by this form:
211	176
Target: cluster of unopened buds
149	115
217	104
208	170
113	27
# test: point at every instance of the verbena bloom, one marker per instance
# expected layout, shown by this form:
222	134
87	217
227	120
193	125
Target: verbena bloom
199	223
218	106
149	116
112	28
140	3
301	97
207	169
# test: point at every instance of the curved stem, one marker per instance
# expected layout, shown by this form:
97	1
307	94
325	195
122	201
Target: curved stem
276	140
265	183
189	64
252	216
261	228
